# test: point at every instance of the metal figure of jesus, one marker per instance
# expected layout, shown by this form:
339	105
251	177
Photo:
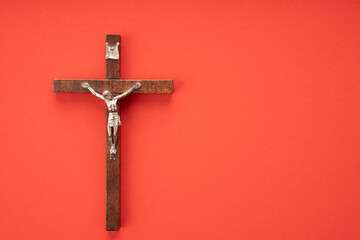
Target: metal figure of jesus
114	118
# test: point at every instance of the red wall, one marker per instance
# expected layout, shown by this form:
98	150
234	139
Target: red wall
259	141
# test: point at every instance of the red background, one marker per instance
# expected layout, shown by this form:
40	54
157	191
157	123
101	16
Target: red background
259	141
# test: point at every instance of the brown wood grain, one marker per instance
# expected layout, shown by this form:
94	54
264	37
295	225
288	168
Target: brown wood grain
113	85
112	165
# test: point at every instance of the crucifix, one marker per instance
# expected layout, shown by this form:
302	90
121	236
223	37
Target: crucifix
109	86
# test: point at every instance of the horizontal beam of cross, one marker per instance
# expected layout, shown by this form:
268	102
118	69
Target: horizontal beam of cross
113	85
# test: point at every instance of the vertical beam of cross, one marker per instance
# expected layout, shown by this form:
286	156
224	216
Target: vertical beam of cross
113	165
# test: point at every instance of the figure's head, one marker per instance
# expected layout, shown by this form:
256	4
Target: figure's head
107	95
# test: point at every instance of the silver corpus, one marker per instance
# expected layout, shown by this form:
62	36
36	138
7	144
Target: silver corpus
114	118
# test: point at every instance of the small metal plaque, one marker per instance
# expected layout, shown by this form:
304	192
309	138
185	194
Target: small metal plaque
112	51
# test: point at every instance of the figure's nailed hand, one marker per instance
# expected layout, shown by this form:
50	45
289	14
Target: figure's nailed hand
137	85
85	85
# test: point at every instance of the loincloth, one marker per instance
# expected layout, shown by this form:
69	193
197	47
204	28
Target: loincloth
113	119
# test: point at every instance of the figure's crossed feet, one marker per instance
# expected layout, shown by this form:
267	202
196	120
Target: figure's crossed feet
112	153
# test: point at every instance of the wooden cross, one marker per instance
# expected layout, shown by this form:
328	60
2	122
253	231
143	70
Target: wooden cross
114	84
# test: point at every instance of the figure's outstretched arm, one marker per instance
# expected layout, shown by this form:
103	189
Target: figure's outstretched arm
136	86
86	85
